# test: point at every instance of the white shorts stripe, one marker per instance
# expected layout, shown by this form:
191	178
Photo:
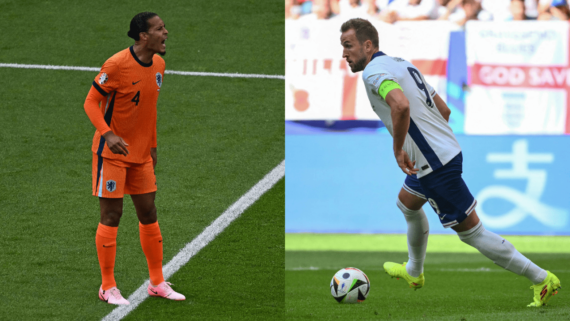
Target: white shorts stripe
450	224
471	208
411	191
100	193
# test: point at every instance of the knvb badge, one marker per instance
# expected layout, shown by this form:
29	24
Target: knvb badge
526	203
111	185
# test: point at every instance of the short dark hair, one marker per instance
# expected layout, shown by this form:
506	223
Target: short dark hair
140	24
364	30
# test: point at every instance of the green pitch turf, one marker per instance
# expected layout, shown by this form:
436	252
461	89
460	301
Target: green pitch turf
459	286
397	243
217	137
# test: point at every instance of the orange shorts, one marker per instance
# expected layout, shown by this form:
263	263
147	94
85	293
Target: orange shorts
113	178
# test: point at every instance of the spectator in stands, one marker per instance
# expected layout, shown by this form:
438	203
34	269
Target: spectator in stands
321	10
518	10
496	10
507	10
531	9
292	9
371	7
450	10
460	11
405	10
543	6
554	10
348	9
306	6
383	4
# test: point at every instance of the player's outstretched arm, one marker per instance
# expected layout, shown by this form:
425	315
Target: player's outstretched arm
442	107
400	112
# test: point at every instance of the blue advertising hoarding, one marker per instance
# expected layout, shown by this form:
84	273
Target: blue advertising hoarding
349	184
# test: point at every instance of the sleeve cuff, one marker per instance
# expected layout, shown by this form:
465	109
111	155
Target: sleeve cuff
99	89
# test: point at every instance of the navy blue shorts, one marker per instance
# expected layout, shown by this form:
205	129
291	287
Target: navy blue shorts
445	191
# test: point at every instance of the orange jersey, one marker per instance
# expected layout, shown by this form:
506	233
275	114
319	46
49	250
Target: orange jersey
123	99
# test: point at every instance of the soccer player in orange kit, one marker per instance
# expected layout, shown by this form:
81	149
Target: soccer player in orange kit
122	106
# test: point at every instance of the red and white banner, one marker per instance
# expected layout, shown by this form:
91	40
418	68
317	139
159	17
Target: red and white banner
319	83
520	77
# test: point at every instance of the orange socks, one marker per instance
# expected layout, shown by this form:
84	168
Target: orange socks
106	241
151	242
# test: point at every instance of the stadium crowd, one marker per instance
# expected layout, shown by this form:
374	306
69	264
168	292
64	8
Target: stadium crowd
458	11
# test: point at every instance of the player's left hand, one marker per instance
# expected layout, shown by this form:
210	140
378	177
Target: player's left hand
404	162
153	155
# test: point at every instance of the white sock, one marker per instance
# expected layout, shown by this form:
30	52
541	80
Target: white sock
502	253
418	232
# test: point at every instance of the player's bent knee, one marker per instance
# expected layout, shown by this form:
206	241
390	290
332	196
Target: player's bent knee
111	218
148	217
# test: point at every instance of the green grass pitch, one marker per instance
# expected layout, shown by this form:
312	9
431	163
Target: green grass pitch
460	284
217	137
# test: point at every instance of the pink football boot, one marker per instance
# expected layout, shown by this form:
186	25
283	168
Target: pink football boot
165	291
112	296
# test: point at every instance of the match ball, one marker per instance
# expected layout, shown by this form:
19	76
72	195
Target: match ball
350	285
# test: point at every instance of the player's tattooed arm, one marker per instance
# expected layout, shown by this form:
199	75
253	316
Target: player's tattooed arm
153	155
442	107
400	112
116	144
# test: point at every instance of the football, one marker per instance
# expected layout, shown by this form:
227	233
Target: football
350	285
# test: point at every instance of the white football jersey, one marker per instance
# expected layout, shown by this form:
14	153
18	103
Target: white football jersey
429	141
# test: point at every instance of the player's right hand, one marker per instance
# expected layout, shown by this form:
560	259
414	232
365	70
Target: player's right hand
404	162
116	144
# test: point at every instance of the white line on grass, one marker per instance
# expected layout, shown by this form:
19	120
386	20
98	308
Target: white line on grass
310	268
203	239
171	72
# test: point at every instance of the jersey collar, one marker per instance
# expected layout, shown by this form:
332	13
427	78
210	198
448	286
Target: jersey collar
137	58
378	54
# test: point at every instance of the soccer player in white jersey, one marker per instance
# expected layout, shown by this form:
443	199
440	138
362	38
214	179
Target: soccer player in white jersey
426	150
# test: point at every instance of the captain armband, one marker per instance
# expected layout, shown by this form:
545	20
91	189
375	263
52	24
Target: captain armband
386	87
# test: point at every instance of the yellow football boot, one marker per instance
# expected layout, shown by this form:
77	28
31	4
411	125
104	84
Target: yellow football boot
545	290
398	271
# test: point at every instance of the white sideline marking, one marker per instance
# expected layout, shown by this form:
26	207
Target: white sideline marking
310	268
209	234
171	72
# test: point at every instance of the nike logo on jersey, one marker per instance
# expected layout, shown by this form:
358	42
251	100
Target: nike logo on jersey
441	218
134	83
